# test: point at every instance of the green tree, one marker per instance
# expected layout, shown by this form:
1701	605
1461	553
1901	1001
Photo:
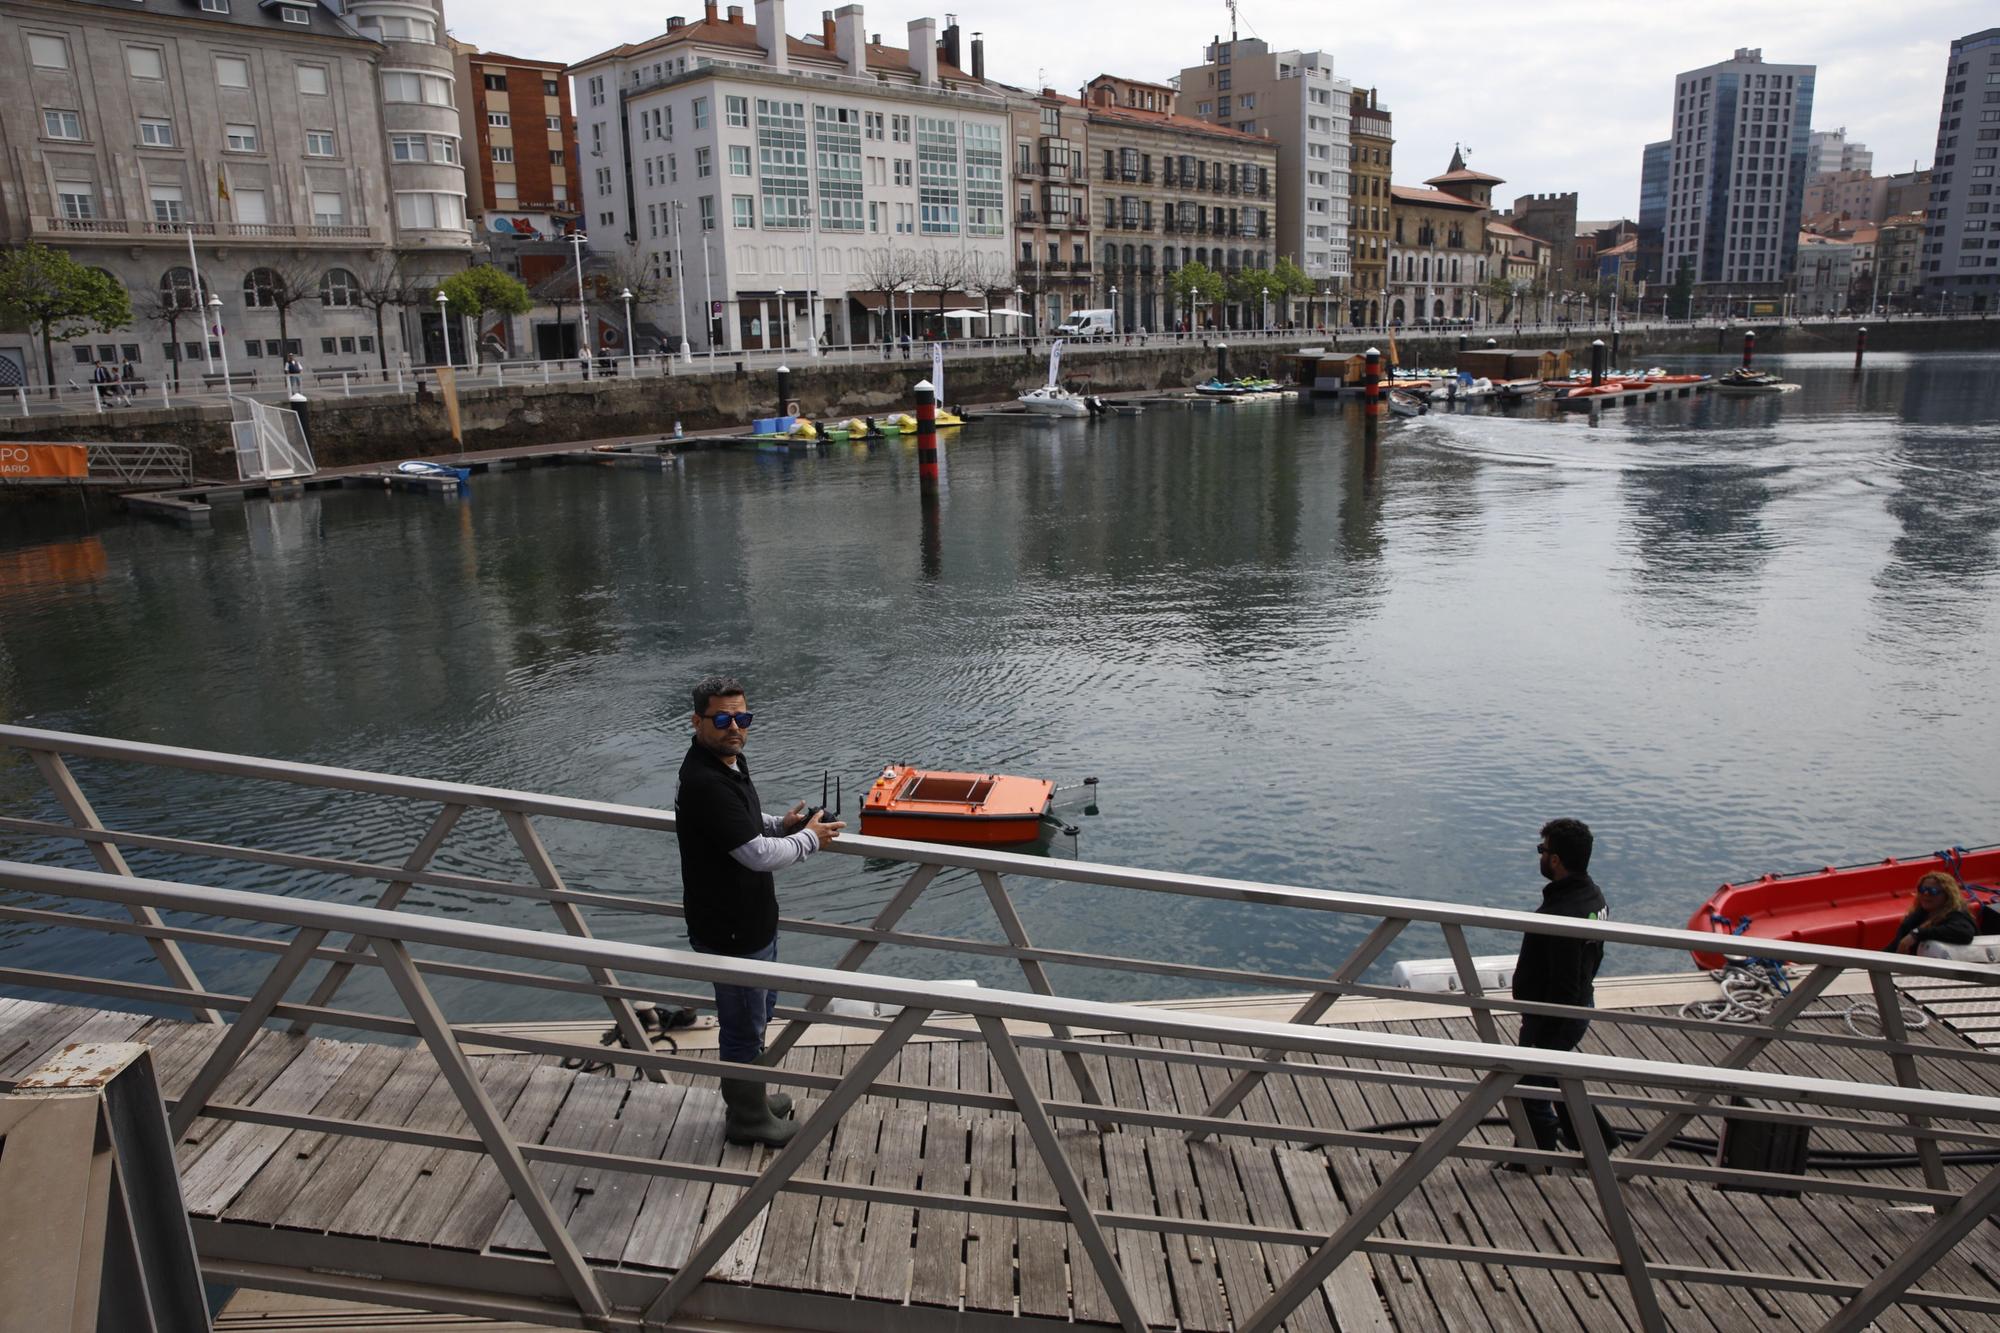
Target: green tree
1291	279
483	289
48	289
1196	282
1252	286
1499	293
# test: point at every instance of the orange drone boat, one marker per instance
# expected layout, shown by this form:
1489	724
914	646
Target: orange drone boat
975	809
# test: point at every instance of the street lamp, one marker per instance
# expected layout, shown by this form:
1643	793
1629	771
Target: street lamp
444	323
1114	310
680	284
707	301
577	241
784	323
631	363
1019	300
215	322
1384	311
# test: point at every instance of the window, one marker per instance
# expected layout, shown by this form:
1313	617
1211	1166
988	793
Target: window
240	138
250	206
166	200
501	153
232	72
294	14
412	86
312	80
76	200
559	193
444	148
556	157
937	169
701	113
260	290
319	143
704	163
899	128
742	211
329	210
215	6
739	160
707	203
156	133
499	120
48	52
505	190
338	289
495	83
553	124
407	148
549	88
902	171
781	147
143	62
596	90
431	212
736	111
61	124
421	31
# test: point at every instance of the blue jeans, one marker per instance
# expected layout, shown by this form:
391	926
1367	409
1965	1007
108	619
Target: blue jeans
742	1012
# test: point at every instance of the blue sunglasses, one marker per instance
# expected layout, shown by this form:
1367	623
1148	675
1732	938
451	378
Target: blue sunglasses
723	721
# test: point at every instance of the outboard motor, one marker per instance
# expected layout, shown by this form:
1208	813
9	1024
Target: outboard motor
1095	404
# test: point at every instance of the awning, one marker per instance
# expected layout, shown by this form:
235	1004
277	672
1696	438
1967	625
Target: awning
926	302
1005	310
966	315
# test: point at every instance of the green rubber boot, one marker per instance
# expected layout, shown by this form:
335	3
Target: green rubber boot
750	1120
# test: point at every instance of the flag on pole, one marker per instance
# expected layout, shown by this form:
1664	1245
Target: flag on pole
221	186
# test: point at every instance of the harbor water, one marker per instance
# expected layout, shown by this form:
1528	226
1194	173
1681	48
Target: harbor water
1734	635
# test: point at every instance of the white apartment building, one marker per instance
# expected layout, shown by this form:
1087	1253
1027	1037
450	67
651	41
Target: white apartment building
1294	98
796	189
1829	151
1736	186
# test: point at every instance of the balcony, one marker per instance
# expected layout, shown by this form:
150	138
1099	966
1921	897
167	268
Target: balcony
146	229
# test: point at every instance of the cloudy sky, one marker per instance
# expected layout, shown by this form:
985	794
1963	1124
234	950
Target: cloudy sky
1553	96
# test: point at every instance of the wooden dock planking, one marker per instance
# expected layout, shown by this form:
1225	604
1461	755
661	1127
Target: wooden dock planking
303	1152
664	1228
350	1160
835	1263
989	1240
241	1150
608	1202
1192	1269
438	1194
588	1120
939	1264
476	1211
1264	1194
883	1263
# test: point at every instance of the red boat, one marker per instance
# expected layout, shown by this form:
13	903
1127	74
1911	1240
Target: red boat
1854	907
972	809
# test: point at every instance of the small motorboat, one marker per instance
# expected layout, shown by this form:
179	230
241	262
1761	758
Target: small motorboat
1053	400
1745	380
1236	388
973	809
1405	404
421	468
1853	907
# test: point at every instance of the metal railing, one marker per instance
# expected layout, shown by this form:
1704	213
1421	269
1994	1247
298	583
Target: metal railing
1471	1079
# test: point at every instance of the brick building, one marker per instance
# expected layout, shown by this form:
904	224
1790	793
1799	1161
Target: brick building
1373	154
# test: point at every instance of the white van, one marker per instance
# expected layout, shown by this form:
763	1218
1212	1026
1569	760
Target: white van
1088	324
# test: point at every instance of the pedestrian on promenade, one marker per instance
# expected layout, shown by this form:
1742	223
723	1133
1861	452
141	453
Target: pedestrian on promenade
294	371
1560	969
729	847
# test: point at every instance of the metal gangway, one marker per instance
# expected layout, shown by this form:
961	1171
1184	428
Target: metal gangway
973	1157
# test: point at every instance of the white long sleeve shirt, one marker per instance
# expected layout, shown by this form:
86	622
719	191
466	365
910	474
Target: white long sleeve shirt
776	849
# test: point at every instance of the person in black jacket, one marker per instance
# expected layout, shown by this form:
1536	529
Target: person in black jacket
1941	913
729	847
1560	969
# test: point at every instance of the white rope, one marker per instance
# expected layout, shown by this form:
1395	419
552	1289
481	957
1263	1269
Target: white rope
1750	991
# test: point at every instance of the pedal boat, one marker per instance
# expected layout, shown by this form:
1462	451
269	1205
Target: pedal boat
969	809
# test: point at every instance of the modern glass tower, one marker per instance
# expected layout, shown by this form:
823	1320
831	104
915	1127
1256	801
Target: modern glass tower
1961	257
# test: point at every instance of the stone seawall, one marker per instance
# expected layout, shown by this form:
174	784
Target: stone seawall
376	429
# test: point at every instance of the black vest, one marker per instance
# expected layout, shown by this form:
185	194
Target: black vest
730	907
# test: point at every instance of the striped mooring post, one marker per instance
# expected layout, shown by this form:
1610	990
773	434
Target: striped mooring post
1749	347
1860	345
927	448
1371	383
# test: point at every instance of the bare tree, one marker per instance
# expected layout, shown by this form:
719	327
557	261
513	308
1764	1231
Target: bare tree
987	274
939	270
888	270
284	284
169	304
610	274
387	282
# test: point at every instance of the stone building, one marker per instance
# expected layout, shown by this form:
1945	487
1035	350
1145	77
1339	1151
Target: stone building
1551	219
1173	189
1524	261
803	190
1437	250
274	134
1373	155
1898	277
1823	277
1294	99
1052	213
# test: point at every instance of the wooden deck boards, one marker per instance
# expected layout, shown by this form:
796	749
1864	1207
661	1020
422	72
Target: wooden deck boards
922	1258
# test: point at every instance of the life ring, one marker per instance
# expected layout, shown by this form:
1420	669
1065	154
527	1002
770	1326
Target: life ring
611	338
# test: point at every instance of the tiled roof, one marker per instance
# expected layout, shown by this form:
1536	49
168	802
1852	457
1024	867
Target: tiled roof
1466	174
1176	121
1411	194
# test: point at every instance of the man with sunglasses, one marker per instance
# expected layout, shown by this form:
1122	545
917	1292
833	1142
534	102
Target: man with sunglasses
1560	969
729	847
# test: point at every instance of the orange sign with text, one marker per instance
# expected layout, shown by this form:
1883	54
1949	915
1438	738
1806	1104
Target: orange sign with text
43	462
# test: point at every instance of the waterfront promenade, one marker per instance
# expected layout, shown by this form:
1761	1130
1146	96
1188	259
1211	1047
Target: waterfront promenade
988	1156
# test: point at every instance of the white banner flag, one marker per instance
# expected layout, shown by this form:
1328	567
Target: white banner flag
1055	361
937	374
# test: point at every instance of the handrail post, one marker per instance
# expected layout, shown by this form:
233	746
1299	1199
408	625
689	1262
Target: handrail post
1617	1218
110	860
1482	1020
487	1122
249	1021
1042	1133
1038	980
822	1121
1973	1208
1889	1009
